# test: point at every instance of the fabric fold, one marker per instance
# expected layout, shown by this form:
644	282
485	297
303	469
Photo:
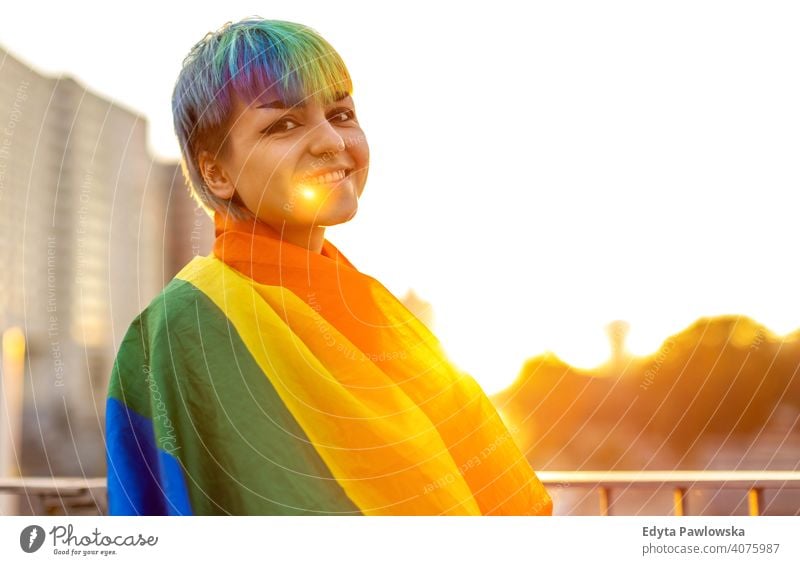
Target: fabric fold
364	402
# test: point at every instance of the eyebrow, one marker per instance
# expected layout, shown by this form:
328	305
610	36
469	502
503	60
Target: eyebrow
282	105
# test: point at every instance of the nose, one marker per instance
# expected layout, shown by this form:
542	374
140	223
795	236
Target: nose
325	139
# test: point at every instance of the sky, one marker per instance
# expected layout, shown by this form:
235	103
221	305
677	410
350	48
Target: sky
538	170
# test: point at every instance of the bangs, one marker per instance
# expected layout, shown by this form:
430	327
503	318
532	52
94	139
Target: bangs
292	61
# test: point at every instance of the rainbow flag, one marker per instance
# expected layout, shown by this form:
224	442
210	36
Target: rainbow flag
266	379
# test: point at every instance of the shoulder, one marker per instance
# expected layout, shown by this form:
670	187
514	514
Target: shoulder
170	333
175	306
169	305
197	301
188	293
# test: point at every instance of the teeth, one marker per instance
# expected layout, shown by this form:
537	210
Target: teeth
327	178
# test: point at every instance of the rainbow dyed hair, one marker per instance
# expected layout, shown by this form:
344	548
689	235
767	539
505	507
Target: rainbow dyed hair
246	59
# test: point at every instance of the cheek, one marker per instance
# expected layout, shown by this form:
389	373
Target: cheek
269	169
262	174
362	162
360	151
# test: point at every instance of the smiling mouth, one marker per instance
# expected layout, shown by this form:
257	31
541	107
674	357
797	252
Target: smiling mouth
328	178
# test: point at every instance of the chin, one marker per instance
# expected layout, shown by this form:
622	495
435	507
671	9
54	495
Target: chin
344	212
337	219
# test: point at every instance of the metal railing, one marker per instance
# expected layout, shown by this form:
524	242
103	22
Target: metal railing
55	496
71	496
607	482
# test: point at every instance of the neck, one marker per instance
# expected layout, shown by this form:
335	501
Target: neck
311	238
307	237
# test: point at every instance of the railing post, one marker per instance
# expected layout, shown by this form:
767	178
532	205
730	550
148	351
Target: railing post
604	496
754	501
679	499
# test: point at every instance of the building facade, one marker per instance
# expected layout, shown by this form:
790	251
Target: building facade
92	226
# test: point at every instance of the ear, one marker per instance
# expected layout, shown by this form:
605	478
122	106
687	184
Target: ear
215	177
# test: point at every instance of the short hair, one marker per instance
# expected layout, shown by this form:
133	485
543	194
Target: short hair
247	58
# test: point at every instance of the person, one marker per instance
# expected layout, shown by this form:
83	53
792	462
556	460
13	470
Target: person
272	376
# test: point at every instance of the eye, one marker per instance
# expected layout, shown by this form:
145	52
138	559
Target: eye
280	126
342	115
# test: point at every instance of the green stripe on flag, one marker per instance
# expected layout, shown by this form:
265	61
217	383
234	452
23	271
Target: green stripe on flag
184	366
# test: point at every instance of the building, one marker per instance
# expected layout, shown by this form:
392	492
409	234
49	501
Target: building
91	228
